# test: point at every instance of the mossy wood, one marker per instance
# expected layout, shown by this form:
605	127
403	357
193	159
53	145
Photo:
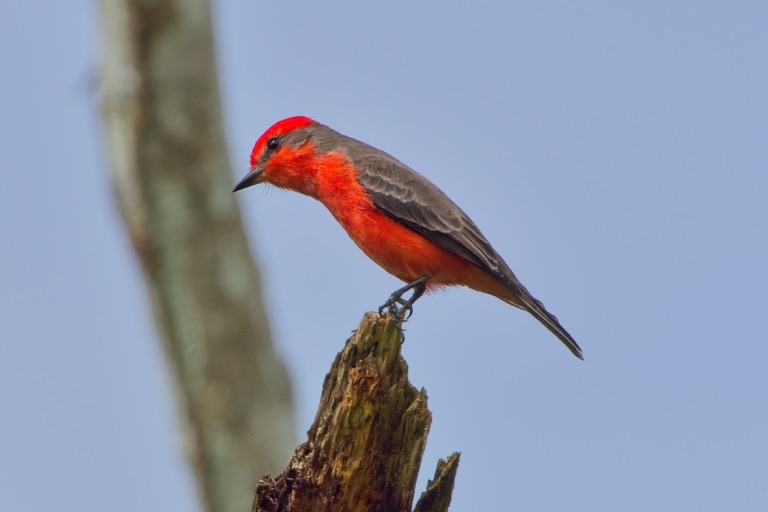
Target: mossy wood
364	448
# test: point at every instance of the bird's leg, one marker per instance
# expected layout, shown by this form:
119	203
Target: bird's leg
405	310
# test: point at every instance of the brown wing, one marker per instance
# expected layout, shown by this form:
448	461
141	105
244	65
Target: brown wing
411	199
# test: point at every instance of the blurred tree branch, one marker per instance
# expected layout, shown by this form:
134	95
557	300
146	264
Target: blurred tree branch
165	141
364	448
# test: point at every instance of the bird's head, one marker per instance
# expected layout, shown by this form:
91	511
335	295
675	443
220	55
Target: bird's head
282	157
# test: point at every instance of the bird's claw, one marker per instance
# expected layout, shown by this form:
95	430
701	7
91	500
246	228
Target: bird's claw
400	308
397	307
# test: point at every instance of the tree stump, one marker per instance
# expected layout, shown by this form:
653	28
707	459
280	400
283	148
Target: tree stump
364	448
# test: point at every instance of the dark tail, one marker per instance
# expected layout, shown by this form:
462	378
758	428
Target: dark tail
527	302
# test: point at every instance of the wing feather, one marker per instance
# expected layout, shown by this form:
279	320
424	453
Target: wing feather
411	199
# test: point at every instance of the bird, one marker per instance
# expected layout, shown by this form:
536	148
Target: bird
396	216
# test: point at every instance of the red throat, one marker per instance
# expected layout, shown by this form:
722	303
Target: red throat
279	128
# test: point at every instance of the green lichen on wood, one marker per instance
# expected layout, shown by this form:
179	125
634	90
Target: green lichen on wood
365	446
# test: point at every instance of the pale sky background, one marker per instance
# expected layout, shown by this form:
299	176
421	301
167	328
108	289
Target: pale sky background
615	153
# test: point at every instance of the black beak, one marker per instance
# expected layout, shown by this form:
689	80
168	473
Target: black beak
251	179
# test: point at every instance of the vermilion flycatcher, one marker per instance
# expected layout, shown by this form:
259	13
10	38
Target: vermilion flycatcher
396	216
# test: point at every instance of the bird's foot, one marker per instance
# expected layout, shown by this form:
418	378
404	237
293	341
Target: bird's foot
399	308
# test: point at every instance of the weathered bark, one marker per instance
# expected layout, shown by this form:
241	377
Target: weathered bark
437	497
365	446
172	180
